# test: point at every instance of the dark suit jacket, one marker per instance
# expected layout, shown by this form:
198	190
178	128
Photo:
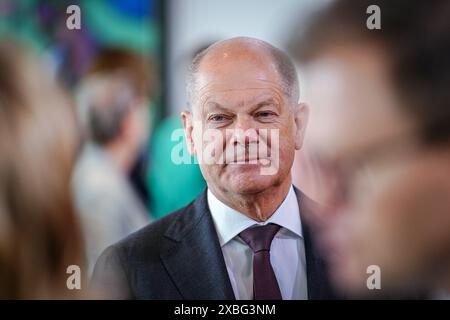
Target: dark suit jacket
179	257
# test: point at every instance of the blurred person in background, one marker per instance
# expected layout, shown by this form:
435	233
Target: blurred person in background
382	140
113	114
40	235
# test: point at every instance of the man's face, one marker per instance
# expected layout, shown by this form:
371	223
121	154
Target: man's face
243	113
383	190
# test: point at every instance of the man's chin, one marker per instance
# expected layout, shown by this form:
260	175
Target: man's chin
249	181
244	169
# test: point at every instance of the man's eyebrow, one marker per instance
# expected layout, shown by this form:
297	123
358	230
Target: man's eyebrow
215	105
267	102
270	101
212	105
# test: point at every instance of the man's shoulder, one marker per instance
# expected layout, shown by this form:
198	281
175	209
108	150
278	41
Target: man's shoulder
312	212
135	257
147	240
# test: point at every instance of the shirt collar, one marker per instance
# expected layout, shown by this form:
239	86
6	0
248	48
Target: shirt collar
229	222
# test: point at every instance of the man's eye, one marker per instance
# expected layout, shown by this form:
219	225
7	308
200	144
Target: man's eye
217	118
264	114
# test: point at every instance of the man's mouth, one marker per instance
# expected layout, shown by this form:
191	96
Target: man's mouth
251	161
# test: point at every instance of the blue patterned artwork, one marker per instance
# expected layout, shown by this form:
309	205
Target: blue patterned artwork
41	24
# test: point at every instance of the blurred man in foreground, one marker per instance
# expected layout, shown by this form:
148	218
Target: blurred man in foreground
383	139
245	236
113	112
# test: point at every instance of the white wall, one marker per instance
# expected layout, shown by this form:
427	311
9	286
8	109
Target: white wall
195	23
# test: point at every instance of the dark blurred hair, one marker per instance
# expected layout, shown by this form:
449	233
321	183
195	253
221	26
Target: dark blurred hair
416	36
127	76
136	67
39	232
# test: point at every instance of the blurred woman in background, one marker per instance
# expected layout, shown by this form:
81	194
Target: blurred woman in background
39	232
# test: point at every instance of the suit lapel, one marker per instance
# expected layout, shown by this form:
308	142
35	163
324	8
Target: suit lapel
319	285
192	255
193	258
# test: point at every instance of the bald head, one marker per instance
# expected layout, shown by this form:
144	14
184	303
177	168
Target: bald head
253	57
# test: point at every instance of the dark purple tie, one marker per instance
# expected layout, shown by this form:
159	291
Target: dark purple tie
259	239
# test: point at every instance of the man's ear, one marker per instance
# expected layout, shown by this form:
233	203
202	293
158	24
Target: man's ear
186	117
301	116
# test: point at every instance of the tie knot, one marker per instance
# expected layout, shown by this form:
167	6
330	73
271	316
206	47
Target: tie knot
260	238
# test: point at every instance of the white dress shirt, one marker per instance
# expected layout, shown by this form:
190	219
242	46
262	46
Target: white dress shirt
287	251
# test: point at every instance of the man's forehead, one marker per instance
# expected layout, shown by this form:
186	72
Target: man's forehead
238	79
240	96
252	92
238	71
241	84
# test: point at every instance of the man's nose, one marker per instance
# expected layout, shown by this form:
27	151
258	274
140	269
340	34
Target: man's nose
244	122
245	131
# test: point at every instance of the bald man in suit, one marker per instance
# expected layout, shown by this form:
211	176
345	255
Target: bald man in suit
246	236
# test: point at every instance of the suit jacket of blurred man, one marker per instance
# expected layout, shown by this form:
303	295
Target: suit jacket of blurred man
179	257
